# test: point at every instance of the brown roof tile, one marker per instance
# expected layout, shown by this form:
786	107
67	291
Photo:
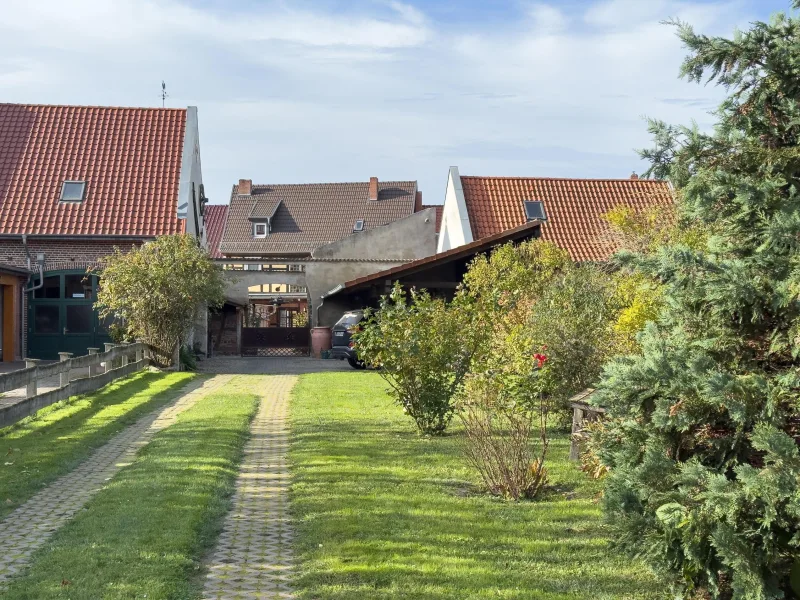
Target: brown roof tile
311	215
574	207
129	157
215	215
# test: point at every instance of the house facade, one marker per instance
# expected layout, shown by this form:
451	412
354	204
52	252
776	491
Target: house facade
282	246
76	182
479	207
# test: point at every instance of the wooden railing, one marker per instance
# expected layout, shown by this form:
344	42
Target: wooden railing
104	367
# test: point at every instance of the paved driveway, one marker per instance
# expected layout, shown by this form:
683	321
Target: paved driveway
270	366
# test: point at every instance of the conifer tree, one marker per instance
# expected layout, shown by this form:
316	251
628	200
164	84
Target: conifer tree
703	436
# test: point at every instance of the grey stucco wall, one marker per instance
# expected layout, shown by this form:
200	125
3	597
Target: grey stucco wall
405	240
322	277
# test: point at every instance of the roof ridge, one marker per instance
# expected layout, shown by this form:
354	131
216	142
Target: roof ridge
500	177
42	105
365	182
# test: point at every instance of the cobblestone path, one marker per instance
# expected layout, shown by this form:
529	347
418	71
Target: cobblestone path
29	526
253	558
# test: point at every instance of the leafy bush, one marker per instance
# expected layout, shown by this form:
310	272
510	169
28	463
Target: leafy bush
422	349
532	296
703	434
156	289
546	327
499	441
188	359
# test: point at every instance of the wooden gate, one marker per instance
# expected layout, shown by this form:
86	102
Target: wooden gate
276	341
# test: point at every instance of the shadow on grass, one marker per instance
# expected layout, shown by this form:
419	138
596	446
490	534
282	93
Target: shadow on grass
59	438
144	534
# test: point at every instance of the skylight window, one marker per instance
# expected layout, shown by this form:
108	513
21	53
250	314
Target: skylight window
73	191
260	230
534	210
359	226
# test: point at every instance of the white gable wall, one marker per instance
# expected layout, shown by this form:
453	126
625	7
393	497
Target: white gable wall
455	230
191	178
188	208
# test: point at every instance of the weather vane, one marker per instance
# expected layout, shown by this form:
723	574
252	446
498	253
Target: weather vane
164	94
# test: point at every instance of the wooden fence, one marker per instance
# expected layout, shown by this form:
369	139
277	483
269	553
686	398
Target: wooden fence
582	413
104	367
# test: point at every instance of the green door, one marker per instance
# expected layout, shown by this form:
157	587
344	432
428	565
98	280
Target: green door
61	316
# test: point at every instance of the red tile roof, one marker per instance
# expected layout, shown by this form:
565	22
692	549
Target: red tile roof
130	159
215	216
574	207
439	212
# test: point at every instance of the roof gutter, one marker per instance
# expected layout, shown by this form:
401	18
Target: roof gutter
58	236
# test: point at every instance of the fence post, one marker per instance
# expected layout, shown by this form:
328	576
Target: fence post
64	357
31	389
139	350
109	364
93	368
124	358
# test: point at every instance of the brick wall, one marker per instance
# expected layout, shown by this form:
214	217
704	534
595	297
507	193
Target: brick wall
60	254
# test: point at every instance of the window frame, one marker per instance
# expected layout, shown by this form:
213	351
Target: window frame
73	200
258	224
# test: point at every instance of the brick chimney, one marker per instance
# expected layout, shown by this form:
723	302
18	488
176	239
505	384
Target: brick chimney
634	176
373	189
245	187
418	202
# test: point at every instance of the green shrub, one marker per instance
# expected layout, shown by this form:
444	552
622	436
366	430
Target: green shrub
188	359
422	349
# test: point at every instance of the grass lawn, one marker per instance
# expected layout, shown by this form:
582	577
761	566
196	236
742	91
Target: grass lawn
143	535
56	439
382	513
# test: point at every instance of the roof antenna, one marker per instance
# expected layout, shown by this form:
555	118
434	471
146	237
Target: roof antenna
164	94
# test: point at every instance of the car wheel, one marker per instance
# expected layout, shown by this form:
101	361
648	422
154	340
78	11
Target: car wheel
356	364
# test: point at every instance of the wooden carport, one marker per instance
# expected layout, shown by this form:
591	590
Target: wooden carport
440	274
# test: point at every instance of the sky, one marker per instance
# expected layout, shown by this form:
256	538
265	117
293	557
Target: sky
297	91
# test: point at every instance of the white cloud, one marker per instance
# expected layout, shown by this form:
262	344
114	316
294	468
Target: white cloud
291	94
547	19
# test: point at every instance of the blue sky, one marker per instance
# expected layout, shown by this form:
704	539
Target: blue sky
332	90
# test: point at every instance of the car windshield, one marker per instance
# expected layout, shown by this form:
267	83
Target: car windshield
348	319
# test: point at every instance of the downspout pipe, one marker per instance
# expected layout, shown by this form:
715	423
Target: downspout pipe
38	266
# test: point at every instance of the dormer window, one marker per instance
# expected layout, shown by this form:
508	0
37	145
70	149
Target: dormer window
534	210
260	230
73	191
359	226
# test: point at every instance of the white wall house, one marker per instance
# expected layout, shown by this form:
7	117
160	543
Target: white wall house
191	180
455	230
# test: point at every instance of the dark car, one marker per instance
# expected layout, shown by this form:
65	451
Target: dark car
341	338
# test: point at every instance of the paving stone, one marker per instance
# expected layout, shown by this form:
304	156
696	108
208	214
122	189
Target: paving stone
253	555
31	524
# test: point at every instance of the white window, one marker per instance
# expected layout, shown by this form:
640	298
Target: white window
72	191
359	226
259	230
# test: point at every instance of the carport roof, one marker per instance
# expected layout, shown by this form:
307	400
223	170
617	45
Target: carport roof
518	234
